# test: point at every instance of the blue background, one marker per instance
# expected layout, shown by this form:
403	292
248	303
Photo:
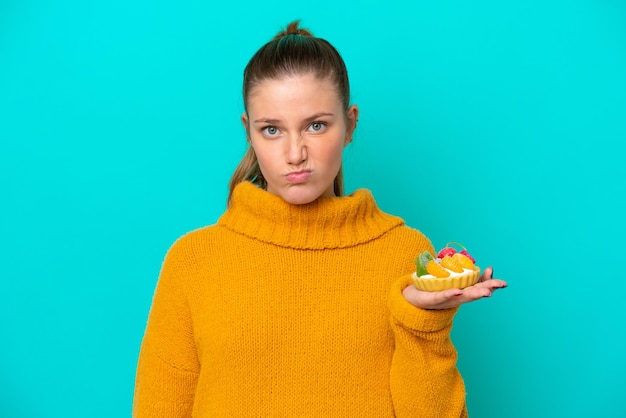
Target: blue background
497	124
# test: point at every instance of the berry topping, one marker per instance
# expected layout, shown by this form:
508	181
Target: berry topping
447	251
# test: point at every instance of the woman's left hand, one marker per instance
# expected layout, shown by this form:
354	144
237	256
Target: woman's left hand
452	298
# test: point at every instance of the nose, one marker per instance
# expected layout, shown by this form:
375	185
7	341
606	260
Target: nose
296	152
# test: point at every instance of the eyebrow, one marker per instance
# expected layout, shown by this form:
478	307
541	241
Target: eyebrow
309	119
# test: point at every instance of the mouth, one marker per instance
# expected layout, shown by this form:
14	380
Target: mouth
298	176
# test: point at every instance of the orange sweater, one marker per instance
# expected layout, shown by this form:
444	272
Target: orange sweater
294	311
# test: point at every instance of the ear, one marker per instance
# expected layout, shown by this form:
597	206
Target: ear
246	126
353	117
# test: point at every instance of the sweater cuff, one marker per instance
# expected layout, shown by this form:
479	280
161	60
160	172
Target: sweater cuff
412	317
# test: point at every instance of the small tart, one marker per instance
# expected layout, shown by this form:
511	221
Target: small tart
437	284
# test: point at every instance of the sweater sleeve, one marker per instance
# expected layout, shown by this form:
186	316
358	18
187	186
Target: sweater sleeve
424	379
168	364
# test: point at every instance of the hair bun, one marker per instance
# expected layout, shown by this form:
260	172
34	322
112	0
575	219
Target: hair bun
293	29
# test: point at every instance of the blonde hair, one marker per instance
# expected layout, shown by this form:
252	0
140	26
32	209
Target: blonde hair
293	51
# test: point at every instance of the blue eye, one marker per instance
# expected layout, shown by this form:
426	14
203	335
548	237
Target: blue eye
270	131
317	126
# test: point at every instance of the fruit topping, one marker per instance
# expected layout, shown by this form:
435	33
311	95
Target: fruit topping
451	264
464	261
446	251
466	254
436	269
422	261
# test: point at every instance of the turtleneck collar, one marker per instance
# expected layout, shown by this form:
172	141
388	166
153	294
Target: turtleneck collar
328	222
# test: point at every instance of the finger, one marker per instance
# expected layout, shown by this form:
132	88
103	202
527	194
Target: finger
437	300
452	293
476	292
466	296
487	274
492	284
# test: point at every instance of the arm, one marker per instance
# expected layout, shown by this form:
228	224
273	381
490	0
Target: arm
424	379
168	365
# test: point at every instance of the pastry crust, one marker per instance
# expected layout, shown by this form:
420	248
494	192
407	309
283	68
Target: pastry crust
436	284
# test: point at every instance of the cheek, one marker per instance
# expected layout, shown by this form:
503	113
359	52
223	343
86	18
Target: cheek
334	152
267	158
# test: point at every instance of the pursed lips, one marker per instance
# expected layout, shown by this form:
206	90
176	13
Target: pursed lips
298	176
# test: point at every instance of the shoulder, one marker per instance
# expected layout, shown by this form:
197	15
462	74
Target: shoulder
197	241
403	236
411	238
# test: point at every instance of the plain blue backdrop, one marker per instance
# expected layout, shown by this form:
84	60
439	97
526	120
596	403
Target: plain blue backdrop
497	124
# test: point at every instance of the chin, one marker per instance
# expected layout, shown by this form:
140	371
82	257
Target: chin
300	195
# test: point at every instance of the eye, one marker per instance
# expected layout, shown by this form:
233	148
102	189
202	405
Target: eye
317	126
270	131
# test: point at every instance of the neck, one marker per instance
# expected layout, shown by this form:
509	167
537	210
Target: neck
328	222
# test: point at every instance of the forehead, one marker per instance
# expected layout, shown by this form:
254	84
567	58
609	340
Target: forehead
293	92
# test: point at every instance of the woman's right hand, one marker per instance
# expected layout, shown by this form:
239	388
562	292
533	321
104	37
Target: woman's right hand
451	298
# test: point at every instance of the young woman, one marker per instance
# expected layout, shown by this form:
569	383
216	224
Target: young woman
299	302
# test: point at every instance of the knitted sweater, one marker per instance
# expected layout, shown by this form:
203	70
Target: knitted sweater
296	311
